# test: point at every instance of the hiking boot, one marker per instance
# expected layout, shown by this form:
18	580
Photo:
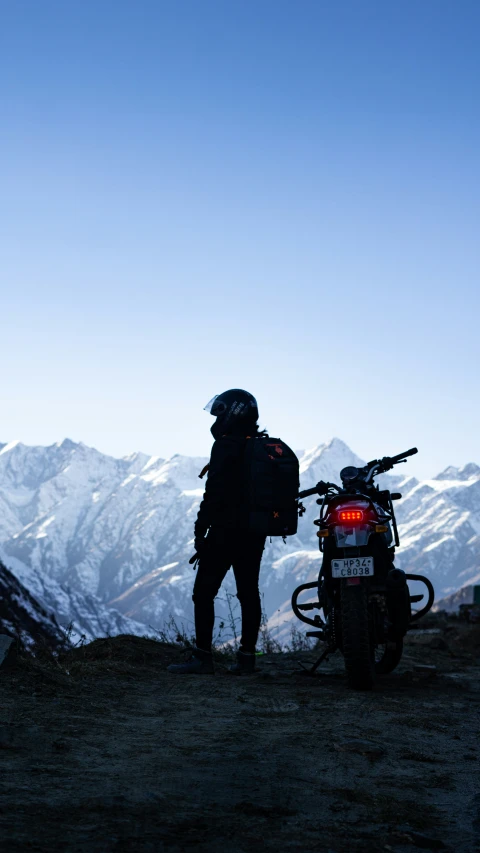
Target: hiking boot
245	664
198	662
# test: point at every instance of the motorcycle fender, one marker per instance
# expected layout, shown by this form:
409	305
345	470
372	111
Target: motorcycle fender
352	537
358	536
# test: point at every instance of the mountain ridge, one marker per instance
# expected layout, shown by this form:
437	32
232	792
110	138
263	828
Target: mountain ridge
88	531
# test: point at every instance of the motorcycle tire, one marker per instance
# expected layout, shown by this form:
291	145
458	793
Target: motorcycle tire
390	659
357	645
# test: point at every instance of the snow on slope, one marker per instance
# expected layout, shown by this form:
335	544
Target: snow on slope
85	531
83	614
23	617
439	527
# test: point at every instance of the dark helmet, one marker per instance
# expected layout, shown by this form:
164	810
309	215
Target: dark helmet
234	409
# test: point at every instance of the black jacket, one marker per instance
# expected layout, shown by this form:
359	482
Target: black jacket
223	498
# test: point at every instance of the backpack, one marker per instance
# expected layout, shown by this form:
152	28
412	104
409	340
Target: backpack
271	486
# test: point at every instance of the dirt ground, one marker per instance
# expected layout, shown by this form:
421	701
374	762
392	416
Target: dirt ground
106	751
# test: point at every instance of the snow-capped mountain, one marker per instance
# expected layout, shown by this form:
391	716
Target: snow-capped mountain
84	615
453	602
439	526
86	532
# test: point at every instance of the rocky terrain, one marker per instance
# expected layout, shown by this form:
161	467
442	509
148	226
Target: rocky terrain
104	543
103	750
22	617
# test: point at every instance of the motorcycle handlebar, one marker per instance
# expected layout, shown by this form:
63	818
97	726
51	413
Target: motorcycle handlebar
321	488
307	492
379	465
400	456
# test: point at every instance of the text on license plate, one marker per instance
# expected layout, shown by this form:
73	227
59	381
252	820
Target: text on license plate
353	567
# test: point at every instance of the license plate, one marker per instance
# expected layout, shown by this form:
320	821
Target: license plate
353	567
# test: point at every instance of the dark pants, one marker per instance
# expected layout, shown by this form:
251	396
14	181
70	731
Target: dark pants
243	551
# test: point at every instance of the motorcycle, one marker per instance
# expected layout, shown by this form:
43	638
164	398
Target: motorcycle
365	600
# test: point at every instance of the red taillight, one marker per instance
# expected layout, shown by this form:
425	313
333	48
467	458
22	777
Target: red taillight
350	515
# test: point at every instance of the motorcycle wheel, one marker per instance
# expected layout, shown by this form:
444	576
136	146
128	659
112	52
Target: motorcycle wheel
356	639
389	659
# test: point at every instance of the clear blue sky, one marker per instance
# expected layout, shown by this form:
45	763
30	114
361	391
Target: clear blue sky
282	196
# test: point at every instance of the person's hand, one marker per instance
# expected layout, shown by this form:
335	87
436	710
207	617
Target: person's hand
200	541
199	545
